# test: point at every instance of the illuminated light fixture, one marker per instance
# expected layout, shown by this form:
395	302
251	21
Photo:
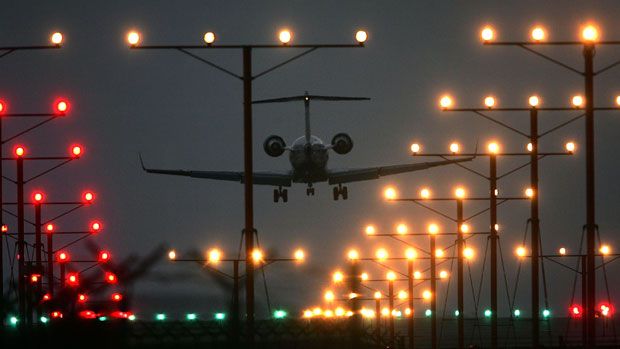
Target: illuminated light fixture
391	276
88	197
46	297
19	151
464	228
577	101
353	255
402	229
370	230
110	278
529	147
257	256
104	256
37	197
488	313
439	253
191	317
328	313
427	294
493	147
82	298
589	33
13	320
605	250
489	101
538	34
468	253
516	313
433	228
562	251
570	147
285	36
299	255
389	193
76	151
160	317
220	316
411	254
496	227
617	102
61	106
443	274
353	295
425	193
337	276
62	257
364	276
381	254
209	38
361	36
428	313
534	101
317	311
5	228
459	192
72	279
521	251
131	317
454	147
606	310
487	34
117	297
133	38
417	275
377	295
44	319
95	227
172	255
529	192
445	102
415	148
34	278
2	106
546	313
307	314
214	255
56	38
56	315
408	311
457	313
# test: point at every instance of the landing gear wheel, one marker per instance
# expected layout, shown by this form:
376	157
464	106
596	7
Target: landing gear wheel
336	193
284	195
280	193
345	193
310	191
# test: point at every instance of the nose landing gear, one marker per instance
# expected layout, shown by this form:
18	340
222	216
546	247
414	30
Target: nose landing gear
310	190
280	194
339	191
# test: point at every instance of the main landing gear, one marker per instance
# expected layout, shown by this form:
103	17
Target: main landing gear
310	190
280	194
341	191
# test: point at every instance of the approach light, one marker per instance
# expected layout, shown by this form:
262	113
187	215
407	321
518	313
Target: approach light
34	278
427	294
37	197
61	106
44	319
381	254
361	36
489	101
133	38
13	320
570	147
521	251
220	316
19	151
439	253
2	107
117	297
82	298
428	313
617	102
72	279
417	275
433	228
279	314
172	255
411	254
353	255
546	313
415	148
285	36
214	255
538	34
62	257
487	34
425	193
493	147
299	255
57	314
88	197
370	230
46	297
209	38
307	314
95	226
338	276
464	228
446	102
111	278
454	148
577	101
104	256
160	317
529	192
533	101
5	228
562	251
468	253
191	317
76	151
402	295
529	147
589	33
402	229
364	276
517	313
443	274
488	313
56	38
576	311
391	276
377	295
605	250
389	193
459	192
257	256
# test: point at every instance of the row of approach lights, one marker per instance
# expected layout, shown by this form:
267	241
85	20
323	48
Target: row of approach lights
577	101
215	255
61	107
538	34
390	193
284	36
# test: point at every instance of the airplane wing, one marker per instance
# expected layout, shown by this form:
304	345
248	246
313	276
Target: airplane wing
365	174
260	178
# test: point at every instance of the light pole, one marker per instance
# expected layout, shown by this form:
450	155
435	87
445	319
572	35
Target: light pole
247	78
589	41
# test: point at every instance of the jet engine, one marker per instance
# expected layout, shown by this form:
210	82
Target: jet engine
342	143
274	146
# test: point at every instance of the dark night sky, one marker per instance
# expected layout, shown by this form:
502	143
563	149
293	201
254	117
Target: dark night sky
183	114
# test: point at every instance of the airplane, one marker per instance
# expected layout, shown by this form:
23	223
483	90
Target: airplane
308	156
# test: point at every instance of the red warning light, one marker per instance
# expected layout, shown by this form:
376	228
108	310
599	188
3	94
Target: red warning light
47	297
73	279
121	314
19	151
82	298
37	197
95	226
88	314
2	107
110	278
76	151
63	257
34	278
606	310
576	311
61	106
5	228
117	297
88	197
104	256
56	315
49	227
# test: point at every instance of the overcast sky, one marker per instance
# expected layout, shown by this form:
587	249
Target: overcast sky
180	113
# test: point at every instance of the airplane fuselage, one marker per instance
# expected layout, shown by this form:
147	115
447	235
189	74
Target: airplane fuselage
309	160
